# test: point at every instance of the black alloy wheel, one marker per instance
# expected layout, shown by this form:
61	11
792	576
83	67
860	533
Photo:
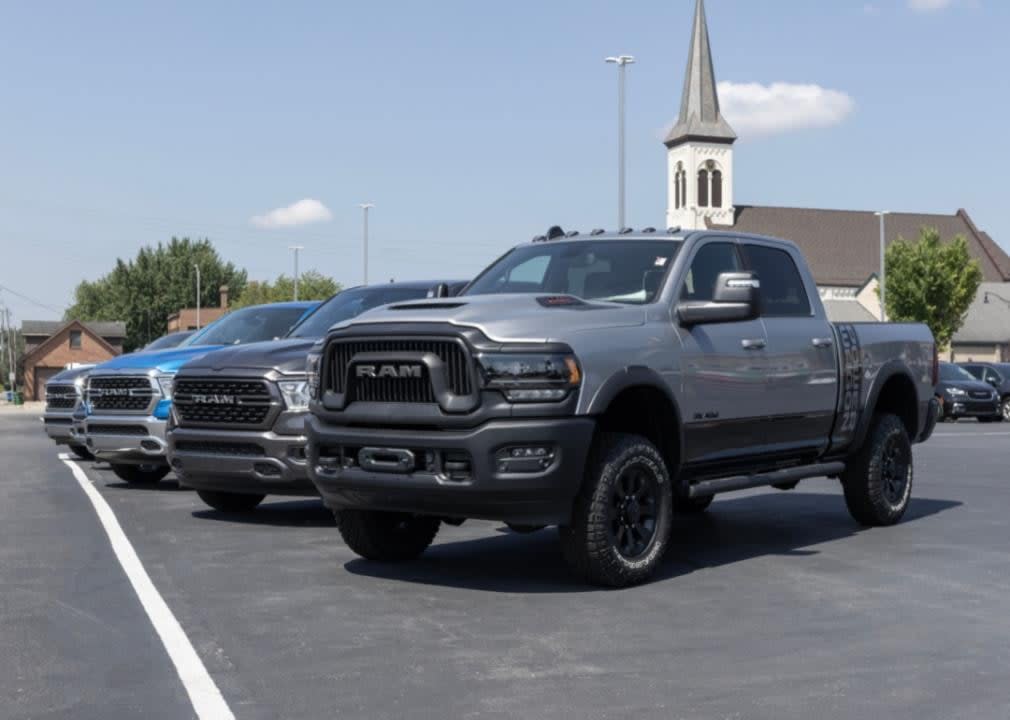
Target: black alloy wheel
633	511
894	470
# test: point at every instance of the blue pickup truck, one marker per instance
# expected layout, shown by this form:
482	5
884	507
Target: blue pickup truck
129	398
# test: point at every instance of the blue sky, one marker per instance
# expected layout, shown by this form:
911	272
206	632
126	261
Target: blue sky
471	125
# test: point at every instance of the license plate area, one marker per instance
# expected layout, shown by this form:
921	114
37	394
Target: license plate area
389	460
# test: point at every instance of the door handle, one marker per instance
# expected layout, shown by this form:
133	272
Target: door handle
753	344
822	342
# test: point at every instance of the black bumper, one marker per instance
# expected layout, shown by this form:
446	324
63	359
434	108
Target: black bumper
541	497
968	407
240	461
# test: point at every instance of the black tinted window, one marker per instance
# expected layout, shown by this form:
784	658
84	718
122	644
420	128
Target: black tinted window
252	324
783	293
712	260
352	303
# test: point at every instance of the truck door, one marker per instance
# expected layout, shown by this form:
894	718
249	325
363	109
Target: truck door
723	368
801	356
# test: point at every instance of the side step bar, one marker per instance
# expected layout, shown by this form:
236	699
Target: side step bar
778	477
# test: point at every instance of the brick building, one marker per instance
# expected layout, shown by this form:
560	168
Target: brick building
185	319
52	345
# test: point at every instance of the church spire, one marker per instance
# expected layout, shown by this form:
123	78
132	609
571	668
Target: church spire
700	118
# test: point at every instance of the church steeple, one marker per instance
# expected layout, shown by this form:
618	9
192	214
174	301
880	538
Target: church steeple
699	105
700	146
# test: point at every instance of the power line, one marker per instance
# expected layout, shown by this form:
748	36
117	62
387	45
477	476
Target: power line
32	300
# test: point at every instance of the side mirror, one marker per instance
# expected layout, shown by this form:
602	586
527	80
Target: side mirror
736	298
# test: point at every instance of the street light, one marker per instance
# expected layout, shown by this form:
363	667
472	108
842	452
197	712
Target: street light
296	248
195	265
365	207
621	61
882	214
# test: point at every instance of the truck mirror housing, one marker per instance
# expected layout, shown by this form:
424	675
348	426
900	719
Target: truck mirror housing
736	298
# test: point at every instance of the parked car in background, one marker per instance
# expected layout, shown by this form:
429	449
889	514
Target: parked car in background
129	397
963	395
237	431
171	340
64	395
602	383
997	375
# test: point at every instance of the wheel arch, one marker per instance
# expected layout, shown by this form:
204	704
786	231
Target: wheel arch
893	391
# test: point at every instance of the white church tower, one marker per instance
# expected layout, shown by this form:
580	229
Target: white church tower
700	145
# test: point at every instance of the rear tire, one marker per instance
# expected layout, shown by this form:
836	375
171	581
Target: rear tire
386	536
140	474
691	506
82	452
230	502
622	517
878	480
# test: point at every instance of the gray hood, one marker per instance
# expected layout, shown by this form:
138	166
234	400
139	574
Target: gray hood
283	356
509	318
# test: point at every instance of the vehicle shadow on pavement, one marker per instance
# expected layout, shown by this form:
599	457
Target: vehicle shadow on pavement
733	530
286	513
111	481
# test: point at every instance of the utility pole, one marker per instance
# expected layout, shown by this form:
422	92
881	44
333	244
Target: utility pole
296	248
10	337
197	267
882	214
621	61
365	207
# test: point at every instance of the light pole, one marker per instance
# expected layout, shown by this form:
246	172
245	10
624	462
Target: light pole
365	207
882	214
621	61
197	267
296	248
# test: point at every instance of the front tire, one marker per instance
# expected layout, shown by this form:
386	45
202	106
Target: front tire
878	480
82	452
622	518
1004	409
386	536
230	502
140	474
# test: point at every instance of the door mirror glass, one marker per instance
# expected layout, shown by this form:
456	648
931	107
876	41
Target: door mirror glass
736	298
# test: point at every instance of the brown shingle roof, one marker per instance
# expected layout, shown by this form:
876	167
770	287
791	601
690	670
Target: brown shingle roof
843	246
46	328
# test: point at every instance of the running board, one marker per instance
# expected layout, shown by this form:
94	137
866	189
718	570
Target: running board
778	477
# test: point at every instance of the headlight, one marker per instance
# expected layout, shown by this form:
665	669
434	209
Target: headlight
165	382
956	392
312	363
530	378
295	394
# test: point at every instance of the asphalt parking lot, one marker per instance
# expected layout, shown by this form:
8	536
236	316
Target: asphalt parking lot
773	605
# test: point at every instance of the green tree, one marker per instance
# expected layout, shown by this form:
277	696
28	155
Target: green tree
312	285
158	282
932	282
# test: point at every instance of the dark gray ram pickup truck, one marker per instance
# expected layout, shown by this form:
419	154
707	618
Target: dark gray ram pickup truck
605	383
237	431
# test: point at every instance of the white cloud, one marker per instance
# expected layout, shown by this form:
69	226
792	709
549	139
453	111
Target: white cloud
754	109
302	212
929	5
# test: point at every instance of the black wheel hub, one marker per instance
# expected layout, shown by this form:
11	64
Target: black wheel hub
894	471
634	510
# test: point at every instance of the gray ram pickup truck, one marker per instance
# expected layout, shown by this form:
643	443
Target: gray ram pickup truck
605	383
237	429
64	395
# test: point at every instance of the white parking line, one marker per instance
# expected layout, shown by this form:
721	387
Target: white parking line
972	434
203	693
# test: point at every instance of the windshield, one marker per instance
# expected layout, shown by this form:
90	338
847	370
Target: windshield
955	373
168	341
624	271
252	324
351	303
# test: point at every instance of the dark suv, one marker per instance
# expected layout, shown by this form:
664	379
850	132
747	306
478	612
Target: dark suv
961	395
998	376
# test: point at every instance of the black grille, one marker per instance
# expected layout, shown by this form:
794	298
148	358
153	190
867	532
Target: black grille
60	397
126	393
981	394
116	429
213	401
396	389
220	448
58	421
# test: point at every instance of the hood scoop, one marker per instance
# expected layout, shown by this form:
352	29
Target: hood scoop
427	306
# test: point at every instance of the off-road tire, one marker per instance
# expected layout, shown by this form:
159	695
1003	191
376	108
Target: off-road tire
590	544
691	506
864	480
140	474
386	536
230	502
82	452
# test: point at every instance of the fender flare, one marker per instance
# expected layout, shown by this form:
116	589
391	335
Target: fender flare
889	370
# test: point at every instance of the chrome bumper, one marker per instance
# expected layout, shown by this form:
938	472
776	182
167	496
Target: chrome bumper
59	426
144	444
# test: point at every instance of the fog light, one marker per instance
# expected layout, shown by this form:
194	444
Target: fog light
150	445
524	458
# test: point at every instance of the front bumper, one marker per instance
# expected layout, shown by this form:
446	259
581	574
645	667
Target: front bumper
541	497
59	426
126	439
240	461
968	407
